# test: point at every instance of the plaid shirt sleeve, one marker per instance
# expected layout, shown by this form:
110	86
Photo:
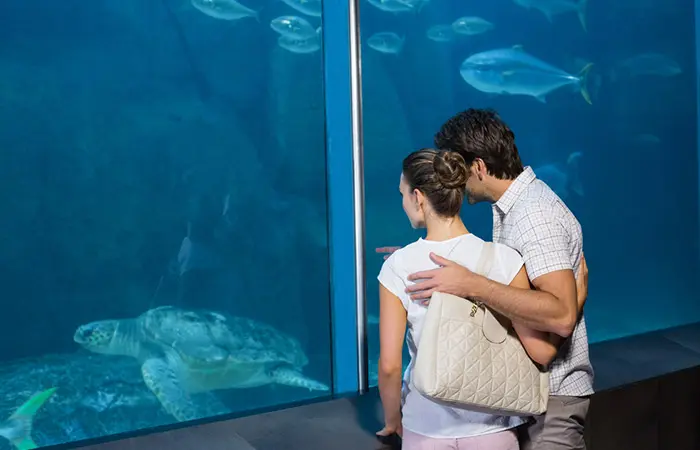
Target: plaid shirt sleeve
543	242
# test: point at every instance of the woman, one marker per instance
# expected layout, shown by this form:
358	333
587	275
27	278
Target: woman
432	186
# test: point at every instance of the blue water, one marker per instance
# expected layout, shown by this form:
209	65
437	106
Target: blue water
638	164
125	127
155	155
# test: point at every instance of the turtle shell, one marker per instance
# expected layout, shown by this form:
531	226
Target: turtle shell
208	339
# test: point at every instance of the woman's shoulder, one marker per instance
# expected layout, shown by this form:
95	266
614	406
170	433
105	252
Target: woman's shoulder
501	252
505	251
508	262
406	252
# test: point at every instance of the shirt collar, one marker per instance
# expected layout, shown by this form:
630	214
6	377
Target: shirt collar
515	190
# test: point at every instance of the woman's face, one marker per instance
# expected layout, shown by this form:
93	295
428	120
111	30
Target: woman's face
413	201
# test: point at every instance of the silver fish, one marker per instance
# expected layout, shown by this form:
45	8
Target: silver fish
649	64
386	42
225	9
513	71
293	27
471	26
393	6
194	255
312	8
646	139
440	33
562	181
551	8
308	45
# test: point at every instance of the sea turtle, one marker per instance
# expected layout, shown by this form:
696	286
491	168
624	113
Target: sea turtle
183	352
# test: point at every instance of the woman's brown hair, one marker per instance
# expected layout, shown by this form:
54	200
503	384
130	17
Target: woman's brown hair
440	175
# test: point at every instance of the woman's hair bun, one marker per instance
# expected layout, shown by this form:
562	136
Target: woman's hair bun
451	170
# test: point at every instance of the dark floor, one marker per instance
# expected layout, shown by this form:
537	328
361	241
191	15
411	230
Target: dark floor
647	398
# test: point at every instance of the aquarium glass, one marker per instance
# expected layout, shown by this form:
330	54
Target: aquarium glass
164	254
625	164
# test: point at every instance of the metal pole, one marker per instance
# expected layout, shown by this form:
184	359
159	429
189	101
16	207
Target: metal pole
358	191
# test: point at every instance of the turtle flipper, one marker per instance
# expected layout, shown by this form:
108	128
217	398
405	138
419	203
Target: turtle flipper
291	377
165	384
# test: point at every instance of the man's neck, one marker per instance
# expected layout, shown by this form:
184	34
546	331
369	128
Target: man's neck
497	188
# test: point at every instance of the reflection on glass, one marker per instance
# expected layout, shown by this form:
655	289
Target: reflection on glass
164	213
587	87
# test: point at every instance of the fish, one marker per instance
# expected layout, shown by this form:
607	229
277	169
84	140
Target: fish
594	81
647	64
513	71
471	26
193	255
551	8
646	139
18	427
417	5
440	33
226	209
309	45
293	27
394	6
225	9
386	42
313	8
561	181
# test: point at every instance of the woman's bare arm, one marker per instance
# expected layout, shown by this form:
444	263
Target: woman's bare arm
541	346
392	330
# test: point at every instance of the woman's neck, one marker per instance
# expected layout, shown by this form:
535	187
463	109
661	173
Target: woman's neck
442	228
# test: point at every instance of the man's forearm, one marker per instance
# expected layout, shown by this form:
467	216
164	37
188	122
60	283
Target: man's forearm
532	308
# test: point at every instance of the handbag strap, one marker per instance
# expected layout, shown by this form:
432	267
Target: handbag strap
483	267
492	328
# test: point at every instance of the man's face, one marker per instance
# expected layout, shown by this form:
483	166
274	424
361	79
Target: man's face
475	190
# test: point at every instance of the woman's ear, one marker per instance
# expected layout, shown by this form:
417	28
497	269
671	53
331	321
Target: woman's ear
420	198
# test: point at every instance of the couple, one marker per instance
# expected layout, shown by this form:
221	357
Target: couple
538	280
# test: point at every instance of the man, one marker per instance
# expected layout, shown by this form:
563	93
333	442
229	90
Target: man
529	217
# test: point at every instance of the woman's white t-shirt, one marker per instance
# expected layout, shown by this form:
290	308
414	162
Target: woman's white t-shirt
420	414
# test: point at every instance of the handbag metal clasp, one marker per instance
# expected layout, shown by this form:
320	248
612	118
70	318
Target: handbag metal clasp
475	308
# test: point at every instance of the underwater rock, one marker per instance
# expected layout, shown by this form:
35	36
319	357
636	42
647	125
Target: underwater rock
95	397
98	395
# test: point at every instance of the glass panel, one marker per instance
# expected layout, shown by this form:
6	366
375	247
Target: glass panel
603	159
149	152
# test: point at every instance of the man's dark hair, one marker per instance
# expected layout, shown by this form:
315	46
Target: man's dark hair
481	134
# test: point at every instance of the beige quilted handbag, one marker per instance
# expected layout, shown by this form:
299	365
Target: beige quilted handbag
469	358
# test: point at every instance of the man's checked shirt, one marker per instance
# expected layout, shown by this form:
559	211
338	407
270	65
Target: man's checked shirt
533	220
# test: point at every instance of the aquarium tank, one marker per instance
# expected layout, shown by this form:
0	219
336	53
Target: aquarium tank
165	189
601	96
164	202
